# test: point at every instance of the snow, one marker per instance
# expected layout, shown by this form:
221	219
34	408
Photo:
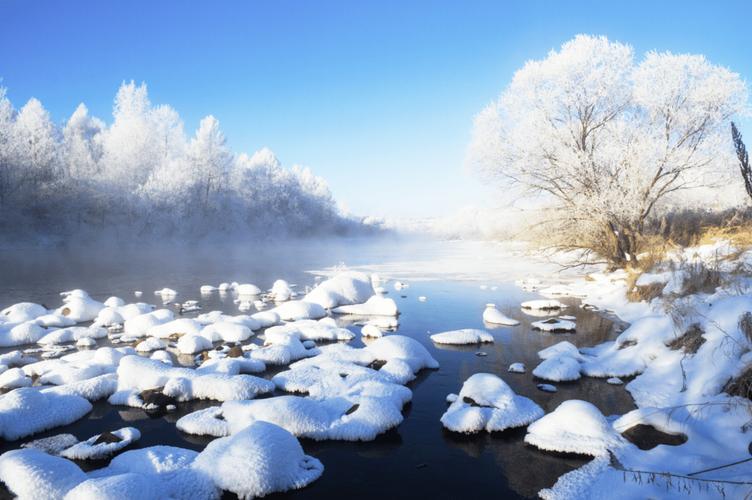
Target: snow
563	348
324	329
344	289
54	320
231	366
178	327
150	344
247	289
283	351
554	325
53	444
464	336
375	306
259	460
22	312
184	384
13	334
191	344
27	411
207	289
281	291
547	388
266	318
72	334
404	357
86	342
226	331
516	368
558	369
295	310
32	474
139	326
496	317
80	307
574	427
14	378
88	450
486	402
372	331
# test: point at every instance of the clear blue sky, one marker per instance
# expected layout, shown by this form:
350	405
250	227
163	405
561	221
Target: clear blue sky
377	97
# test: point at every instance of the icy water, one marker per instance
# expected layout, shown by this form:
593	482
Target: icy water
418	458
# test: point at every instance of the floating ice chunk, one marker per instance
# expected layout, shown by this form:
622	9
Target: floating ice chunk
496	317
102	445
207	289
574	427
166	292
295	310
615	381
13	334
248	289
114	302
399	285
86	342
370	330
543	305
375	306
547	388
14	378
384	322
261	459
464	336
72	334
558	369
33	474
554	325
138	293
54	321
266	318
281	291
26	411
344	289
422	298
561	291
150	344
53	444
331	418
139	326
22	312
568	317
226	331
192	344
516	368
486	402
177	327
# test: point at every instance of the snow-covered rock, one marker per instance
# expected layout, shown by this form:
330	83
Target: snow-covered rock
371	331
247	289
375	306
516	368
296	310
98	447
554	325
496	317
27	411
486	402
346	288
150	344
464	336
558	369
33	474
543	305
281	291
22	312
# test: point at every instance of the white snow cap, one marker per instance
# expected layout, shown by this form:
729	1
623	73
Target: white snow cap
496	317
464	336
375	306
346	288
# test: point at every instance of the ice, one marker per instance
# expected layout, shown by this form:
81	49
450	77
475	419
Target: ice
27	411
259	460
53	444
93	450
346	288
32	474
295	310
486	402
464	336
22	312
375	306
615	381
574	427
496	317
558	369
547	388
554	325
516	368
72	334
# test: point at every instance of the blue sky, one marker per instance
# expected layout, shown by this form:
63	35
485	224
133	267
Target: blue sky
377	97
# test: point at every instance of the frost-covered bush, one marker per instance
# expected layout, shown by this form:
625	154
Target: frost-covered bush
141	175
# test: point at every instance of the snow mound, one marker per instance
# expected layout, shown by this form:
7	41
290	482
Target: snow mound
344	289
554	325
574	427
486	402
150	344
281	291
372	331
139	326
324	329
33	474
375	306
191	344
543	305
259	460
98	447
558	369
177	327
295	310
496	317
247	289
464	336
27	411
13	334
22	312
516	368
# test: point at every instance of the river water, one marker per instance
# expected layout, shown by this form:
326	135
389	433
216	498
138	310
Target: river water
419	458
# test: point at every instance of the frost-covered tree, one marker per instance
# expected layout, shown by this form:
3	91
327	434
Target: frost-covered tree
209	160
604	142
743	157
6	140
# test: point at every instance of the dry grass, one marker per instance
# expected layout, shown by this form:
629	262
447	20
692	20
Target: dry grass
745	325
690	341
700	278
740	386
